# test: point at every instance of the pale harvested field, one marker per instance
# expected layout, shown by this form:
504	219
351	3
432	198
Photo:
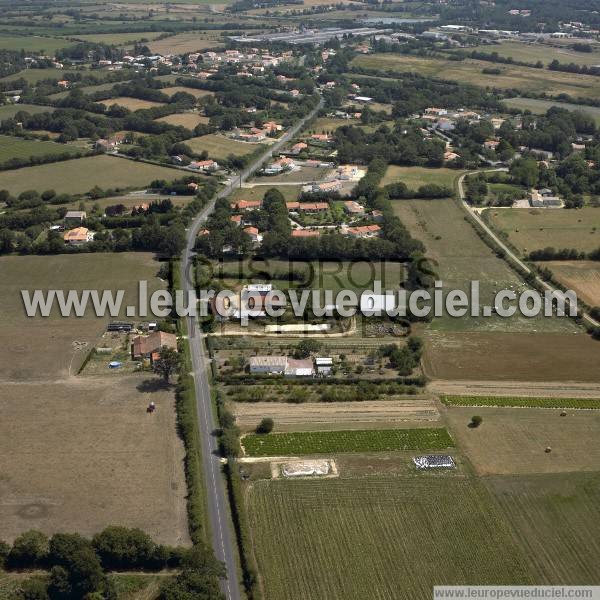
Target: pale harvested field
187	120
581	276
498	356
82	454
170	91
311	416
513	440
42	348
186	42
132	104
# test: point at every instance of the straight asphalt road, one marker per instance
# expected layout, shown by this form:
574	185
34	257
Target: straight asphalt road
222	535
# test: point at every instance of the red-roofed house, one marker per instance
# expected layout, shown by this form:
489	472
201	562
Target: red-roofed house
144	346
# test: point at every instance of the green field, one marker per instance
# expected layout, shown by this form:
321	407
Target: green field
33	43
324	442
470	71
522	401
414	177
539	107
119	39
461	257
80	175
13	147
35	75
380	537
88	89
535	229
8	111
532	53
219	147
556	520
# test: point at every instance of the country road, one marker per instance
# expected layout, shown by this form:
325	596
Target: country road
222	535
504	247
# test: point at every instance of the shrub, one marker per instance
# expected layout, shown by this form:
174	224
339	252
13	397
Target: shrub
29	550
265	426
476	421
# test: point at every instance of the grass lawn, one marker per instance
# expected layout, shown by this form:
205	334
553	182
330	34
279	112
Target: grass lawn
132	104
380	537
80	175
33	43
531	53
325	442
470	71
540	107
533	229
414	177
522	401
13	147
220	147
8	111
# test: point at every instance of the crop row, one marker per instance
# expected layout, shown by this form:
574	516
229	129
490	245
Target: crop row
522	401
320	442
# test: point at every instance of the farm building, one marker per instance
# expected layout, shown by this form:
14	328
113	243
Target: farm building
434	461
299	368
324	366
145	346
75	217
273	365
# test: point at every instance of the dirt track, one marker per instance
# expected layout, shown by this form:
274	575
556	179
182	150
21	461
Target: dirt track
338	415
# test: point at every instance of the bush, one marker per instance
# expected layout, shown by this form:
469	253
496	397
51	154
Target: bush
265	426
124	548
476	421
29	550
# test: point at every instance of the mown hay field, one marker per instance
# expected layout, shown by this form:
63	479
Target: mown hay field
380	537
80	175
531	229
187	120
470	71
220	147
502	356
581	276
132	104
414	177
170	91
33	43
514	440
119	39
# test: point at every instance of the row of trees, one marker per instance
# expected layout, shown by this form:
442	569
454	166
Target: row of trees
77	567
